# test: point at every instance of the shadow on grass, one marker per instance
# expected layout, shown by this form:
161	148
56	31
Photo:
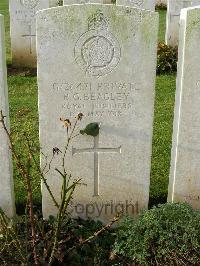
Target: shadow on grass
21	71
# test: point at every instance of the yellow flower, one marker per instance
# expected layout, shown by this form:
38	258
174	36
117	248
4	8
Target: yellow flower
66	122
79	116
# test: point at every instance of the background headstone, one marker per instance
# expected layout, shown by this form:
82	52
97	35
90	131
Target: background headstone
184	183
6	178
143	4
106	71
22	30
173	17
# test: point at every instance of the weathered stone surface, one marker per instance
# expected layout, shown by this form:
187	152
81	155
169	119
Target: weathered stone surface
106	70
173	16
22	30
184	183
143	4
6	178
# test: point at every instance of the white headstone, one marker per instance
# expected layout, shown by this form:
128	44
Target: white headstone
184	183
6	178
173	16
22	30
106	71
143	4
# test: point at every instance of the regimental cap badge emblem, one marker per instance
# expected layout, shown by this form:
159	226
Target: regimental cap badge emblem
97	51
29	3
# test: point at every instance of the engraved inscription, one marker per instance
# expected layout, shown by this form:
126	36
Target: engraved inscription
97	51
30	35
29	3
189	197
82	86
195	198
137	2
96	150
109	99
25	16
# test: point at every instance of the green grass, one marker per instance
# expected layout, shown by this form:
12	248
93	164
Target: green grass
162	26
163	121
24	117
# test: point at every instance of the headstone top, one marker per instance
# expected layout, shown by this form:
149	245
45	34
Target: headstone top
142	4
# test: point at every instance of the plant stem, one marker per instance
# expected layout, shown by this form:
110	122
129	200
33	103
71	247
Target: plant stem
41	174
58	223
10	231
96	234
67	145
27	179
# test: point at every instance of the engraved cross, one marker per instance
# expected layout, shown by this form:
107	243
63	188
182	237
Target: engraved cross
96	150
30	36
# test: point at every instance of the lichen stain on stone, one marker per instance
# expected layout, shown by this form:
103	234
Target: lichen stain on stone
146	29
72	21
118	25
193	23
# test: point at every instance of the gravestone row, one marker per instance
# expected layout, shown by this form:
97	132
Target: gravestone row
107	72
22	13
173	18
143	4
22	24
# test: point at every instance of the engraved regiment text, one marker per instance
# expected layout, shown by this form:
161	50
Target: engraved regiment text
110	99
